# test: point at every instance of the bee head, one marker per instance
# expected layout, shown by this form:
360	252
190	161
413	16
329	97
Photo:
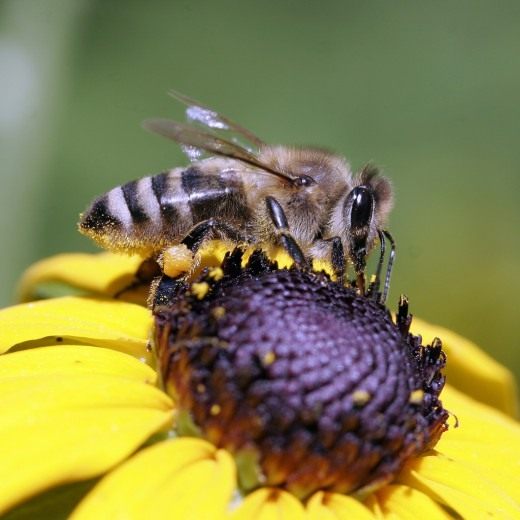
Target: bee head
365	211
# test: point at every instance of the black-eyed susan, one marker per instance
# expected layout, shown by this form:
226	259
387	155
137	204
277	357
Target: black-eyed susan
71	412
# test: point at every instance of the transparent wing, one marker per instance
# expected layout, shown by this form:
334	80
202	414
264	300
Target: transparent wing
198	113
194	138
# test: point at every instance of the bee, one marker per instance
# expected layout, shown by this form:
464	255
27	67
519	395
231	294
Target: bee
240	189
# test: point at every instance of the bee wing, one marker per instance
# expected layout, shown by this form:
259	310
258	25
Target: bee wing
199	113
192	137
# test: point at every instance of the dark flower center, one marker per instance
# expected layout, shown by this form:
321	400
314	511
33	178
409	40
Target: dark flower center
307	383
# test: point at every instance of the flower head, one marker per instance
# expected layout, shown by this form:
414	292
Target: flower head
81	395
315	383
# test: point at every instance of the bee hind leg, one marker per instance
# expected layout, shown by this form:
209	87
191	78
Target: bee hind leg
210	228
176	260
164	291
281	225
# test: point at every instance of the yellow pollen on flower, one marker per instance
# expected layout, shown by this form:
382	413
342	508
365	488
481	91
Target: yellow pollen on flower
200	289
215	409
216	274
417	396
269	358
361	397
201	388
218	312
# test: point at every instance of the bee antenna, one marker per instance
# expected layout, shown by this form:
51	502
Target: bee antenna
390	265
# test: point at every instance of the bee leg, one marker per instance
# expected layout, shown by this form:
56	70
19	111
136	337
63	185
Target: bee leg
337	258
375	284
208	229
388	267
279	221
165	289
163	292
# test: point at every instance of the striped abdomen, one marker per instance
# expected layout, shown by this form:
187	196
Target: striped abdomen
146	215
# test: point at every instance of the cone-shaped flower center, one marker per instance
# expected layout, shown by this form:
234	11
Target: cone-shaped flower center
303	380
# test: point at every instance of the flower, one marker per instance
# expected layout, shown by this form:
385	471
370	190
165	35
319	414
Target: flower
71	412
308	384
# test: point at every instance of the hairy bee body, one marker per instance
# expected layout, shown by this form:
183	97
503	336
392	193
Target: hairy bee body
146	215
306	200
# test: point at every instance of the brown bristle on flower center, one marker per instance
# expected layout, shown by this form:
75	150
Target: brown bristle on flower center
313	385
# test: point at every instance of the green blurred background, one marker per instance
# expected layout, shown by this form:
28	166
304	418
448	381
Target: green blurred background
428	90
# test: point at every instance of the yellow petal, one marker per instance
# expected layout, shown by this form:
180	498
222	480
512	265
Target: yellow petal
471	370
486	441
333	506
499	462
26	395
479	422
181	478
70	445
405	503
269	504
471	494
71	423
475	467
103	273
74	360
106	323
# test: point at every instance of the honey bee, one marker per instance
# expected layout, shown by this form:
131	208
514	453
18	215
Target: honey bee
240	189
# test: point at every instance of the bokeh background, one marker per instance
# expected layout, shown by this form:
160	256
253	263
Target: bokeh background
428	90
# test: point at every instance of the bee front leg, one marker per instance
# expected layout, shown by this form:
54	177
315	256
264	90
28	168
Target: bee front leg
281	225
374	290
389	267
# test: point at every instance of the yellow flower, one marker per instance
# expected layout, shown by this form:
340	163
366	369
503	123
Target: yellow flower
73	413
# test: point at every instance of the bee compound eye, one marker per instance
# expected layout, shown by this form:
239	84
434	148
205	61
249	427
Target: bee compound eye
362	207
